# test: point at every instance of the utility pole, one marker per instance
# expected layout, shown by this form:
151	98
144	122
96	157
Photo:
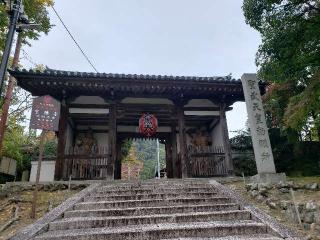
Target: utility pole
14	16
18	22
9	92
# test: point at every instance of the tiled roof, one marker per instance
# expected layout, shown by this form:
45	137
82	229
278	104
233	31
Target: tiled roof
60	73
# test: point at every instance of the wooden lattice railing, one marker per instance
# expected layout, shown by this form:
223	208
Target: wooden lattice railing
206	161
81	165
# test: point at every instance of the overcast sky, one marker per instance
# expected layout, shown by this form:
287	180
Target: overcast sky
171	37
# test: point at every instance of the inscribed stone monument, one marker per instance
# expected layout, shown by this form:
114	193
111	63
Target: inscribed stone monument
259	131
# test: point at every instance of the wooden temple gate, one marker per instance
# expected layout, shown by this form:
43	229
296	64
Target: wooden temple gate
104	109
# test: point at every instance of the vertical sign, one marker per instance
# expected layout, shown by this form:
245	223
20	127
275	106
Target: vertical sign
45	115
258	127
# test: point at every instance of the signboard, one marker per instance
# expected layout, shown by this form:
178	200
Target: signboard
8	166
45	113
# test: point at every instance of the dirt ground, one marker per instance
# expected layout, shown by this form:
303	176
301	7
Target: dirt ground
301	196
46	200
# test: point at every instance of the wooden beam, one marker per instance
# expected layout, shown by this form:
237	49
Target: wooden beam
226	142
61	142
145	106
173	136
79	105
112	141
182	142
169	163
117	170
88	115
93	130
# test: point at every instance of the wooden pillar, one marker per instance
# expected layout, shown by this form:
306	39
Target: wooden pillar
58	172
169	163
117	170
182	141
174	152
112	141
225	136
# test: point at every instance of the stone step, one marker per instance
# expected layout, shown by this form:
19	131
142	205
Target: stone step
156	186
157	182
152	210
101	196
158	231
244	237
148	203
151	187
154	190
99	222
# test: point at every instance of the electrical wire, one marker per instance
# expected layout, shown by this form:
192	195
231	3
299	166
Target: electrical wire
27	57
74	40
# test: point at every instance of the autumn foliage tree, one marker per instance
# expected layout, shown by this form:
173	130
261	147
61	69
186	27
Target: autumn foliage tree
289	58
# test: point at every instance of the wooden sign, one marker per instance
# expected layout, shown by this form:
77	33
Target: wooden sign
45	113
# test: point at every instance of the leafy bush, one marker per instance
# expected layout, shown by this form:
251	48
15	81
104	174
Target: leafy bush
242	154
295	158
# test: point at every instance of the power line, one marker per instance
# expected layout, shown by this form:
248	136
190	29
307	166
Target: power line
74	40
27	57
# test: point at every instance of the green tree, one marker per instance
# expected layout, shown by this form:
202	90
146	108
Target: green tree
243	158
147	152
15	138
36	10
289	57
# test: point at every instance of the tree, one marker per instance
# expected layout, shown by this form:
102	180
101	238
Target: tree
243	158
147	152
36	10
289	58
37	13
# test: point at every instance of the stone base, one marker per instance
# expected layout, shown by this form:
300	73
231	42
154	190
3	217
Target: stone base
269	178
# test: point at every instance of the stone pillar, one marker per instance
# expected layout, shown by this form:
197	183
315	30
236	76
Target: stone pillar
61	142
112	141
182	141
226	141
259	131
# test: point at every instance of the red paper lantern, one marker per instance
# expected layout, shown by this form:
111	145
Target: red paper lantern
148	124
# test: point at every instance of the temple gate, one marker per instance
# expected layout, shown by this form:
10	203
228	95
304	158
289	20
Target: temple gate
100	111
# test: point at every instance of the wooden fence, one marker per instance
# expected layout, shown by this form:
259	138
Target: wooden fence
206	161
82	165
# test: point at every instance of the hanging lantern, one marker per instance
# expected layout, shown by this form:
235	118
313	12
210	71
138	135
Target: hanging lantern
148	124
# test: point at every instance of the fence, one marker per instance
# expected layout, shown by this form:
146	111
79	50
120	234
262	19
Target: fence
81	164
206	161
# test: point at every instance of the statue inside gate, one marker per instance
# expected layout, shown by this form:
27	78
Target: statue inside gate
201	138
86	143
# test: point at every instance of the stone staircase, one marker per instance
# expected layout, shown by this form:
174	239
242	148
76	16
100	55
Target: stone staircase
176	209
